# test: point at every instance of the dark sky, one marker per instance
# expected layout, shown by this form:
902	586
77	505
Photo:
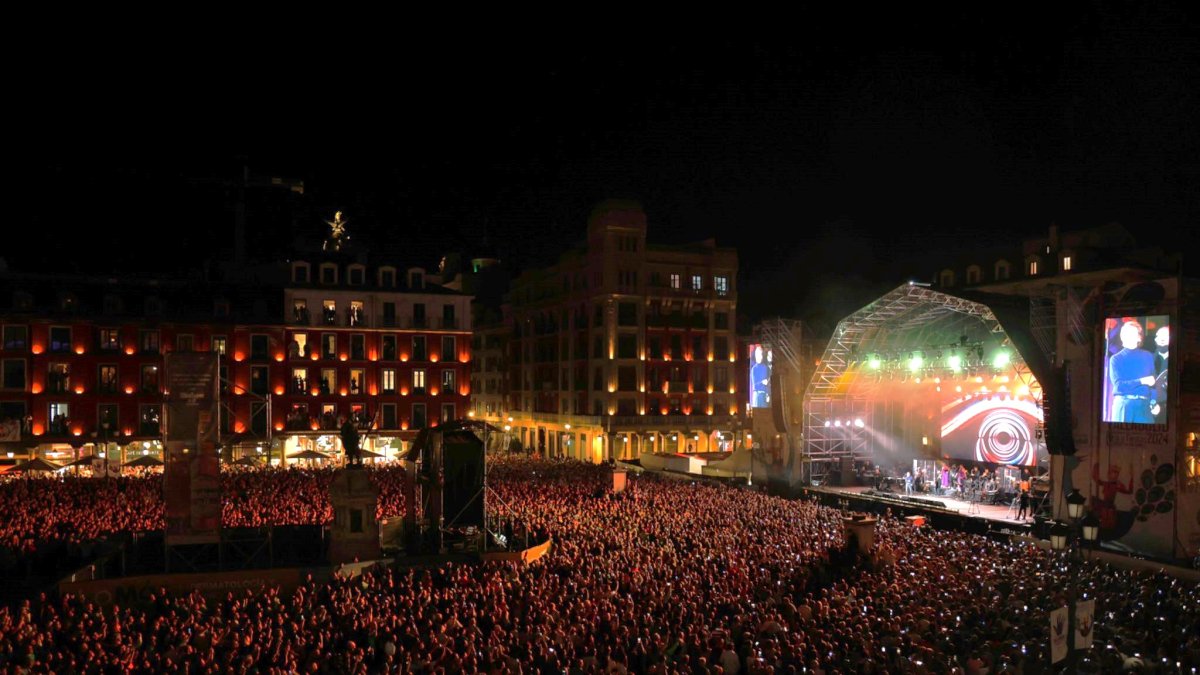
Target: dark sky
836	155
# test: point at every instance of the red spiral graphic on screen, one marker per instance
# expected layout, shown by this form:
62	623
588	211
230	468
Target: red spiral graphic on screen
1004	438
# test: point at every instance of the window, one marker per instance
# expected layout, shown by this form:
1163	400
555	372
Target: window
358	348
416	280
389	416
220	307
627	314
389	314
58	378
329	416
387	379
720	347
329	273
112	304
13	374
60	414
448	348
598	316
300	273
258	380
387	277
358	380
149	420
357	275
329	345
597	347
183	343
149	379
721	378
722	285
974	273
1002	270
698	347
721	321
418	318
149	341
259	347
328	381
258	418
419	348
418	381
66	302
448	382
448	318
656	347
298	347
15	337
356	520
697	282
597	380
675	281
154	306
218	344
356	314
300	380
418	416
329	312
389	347
107	417
627	378
627	346
107	381
448	412
60	339
676	346
946	278
1066	263
110	339
1033	267
300	311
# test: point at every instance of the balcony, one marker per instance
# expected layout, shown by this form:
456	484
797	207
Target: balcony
449	323
654	422
300	317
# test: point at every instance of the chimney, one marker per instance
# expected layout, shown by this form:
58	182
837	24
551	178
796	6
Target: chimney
1053	243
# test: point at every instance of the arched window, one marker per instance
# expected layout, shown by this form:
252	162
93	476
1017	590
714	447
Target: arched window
329	274
301	273
1033	265
946	278
1003	270
974	274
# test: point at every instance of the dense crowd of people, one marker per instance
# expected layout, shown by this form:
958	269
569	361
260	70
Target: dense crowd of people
75	510
666	577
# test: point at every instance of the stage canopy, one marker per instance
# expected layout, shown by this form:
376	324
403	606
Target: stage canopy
920	373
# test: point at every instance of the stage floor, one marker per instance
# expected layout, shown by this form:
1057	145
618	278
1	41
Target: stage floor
1002	514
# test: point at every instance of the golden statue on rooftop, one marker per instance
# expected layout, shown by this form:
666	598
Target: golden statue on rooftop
337	233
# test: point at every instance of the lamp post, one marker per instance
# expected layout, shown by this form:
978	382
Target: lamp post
1068	537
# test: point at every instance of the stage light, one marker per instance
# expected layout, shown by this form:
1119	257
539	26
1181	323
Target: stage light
915	362
1000	360
837	423
858	422
956	363
826	422
875	362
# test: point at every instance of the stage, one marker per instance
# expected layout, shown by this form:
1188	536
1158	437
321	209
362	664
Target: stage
930	505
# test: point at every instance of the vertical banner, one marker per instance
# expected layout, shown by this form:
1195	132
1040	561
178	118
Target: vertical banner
1058	635
1085	611
192	485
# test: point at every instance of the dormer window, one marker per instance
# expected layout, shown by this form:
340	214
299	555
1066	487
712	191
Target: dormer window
220	307
357	274
329	275
974	273
300	273
1066	263
387	277
67	302
1033	265
416	279
946	279
112	304
1003	270
153	306
22	300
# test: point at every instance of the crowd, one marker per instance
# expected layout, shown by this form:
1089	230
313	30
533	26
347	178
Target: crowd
666	577
75	510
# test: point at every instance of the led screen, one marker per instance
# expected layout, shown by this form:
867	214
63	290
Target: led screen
1135	369
993	426
760	376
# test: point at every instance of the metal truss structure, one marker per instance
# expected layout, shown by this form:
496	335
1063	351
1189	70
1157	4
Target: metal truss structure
911	317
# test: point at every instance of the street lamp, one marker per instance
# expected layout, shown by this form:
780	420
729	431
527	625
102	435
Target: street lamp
1067	537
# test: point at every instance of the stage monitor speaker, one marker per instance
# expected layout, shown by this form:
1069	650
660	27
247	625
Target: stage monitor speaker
463	494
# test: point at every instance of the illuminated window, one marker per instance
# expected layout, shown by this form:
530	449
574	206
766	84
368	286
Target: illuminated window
58	379
418	381
110	339
722	285
387	380
1066	263
697	282
60	414
328	381
448	381
300	380
675	282
1033	267
218	344
358	378
448	412
107	380
149	379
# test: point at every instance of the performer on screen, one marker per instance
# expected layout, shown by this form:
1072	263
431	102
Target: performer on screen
760	377
1131	372
1105	506
1162	344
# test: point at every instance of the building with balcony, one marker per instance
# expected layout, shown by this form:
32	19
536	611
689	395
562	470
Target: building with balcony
622	346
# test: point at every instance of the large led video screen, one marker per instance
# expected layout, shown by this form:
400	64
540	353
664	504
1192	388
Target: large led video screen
760	376
998	427
1136	368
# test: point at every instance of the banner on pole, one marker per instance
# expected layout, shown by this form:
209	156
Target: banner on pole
1058	635
192	480
1085	611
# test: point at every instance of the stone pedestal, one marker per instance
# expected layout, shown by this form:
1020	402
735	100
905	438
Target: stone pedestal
355	532
863	529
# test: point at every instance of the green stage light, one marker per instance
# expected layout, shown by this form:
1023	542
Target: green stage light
875	363
915	363
956	363
1000	360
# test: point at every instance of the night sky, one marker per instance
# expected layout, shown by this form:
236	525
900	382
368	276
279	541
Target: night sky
833	159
